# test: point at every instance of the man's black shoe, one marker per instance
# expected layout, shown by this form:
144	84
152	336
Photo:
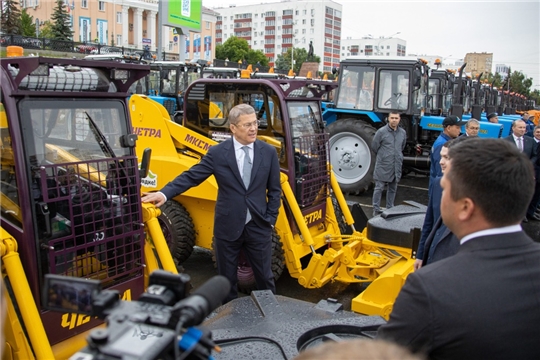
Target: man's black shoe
533	217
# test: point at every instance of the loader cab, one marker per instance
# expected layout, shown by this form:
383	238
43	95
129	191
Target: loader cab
290	120
382	85
69	177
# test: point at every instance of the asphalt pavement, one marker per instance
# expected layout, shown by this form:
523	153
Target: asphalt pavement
412	187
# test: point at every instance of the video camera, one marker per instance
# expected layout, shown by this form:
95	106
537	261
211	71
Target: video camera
160	325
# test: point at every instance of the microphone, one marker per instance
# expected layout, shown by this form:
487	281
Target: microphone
204	300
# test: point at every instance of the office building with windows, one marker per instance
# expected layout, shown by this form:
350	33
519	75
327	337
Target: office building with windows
478	63
276	27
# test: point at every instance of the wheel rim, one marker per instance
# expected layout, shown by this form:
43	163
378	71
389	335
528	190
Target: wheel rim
350	157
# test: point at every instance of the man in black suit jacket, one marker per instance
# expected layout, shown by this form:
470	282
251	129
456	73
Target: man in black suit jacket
535	202
483	302
244	214
525	144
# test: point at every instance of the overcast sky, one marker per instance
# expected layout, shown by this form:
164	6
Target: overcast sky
509	29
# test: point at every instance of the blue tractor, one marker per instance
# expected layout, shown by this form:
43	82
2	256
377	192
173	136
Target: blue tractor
167	82
369	89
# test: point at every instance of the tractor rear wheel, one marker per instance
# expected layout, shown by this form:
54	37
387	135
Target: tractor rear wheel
178	230
350	154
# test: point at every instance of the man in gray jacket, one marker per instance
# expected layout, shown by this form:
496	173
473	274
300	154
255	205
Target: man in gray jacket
388	144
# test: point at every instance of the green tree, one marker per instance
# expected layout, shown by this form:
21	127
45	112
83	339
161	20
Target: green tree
256	58
233	49
61	27
10	17
28	26
45	31
283	61
535	95
495	79
520	83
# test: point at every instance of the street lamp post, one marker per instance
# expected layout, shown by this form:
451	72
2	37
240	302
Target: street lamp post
292	52
379	52
292	58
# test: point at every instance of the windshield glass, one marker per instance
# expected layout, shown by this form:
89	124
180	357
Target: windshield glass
61	131
82	184
393	89
434	86
356	88
305	118
168	80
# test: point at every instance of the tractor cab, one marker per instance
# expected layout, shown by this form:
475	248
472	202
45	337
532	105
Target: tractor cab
167	82
440	92
382	85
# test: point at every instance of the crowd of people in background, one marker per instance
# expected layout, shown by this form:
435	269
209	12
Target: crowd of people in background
389	140
475	289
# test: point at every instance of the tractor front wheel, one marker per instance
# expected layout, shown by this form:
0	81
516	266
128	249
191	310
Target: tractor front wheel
350	154
178	230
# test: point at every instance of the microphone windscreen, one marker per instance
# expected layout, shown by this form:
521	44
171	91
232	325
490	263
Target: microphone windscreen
214	290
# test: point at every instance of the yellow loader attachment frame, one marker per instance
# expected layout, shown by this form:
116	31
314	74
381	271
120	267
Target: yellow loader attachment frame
348	258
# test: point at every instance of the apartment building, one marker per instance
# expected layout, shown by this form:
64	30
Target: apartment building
276	27
478	63
370	46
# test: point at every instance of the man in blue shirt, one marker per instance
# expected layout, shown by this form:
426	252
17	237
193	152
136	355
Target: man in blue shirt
451	130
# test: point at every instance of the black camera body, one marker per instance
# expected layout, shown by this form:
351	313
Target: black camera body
160	325
135	330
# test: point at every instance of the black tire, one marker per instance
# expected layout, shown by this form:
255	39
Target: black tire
350	154
344	229
178	229
246	278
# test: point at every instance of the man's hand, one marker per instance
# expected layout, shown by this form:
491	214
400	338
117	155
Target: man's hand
156	198
417	264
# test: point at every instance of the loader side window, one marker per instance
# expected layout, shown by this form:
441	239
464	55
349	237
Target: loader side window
9	190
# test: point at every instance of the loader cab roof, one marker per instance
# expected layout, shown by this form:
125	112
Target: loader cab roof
381	59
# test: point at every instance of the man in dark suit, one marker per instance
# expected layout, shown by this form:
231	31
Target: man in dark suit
437	242
533	212
249	190
525	144
483	302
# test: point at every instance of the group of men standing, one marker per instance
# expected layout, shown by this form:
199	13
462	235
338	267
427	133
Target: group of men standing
389	142
480	295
